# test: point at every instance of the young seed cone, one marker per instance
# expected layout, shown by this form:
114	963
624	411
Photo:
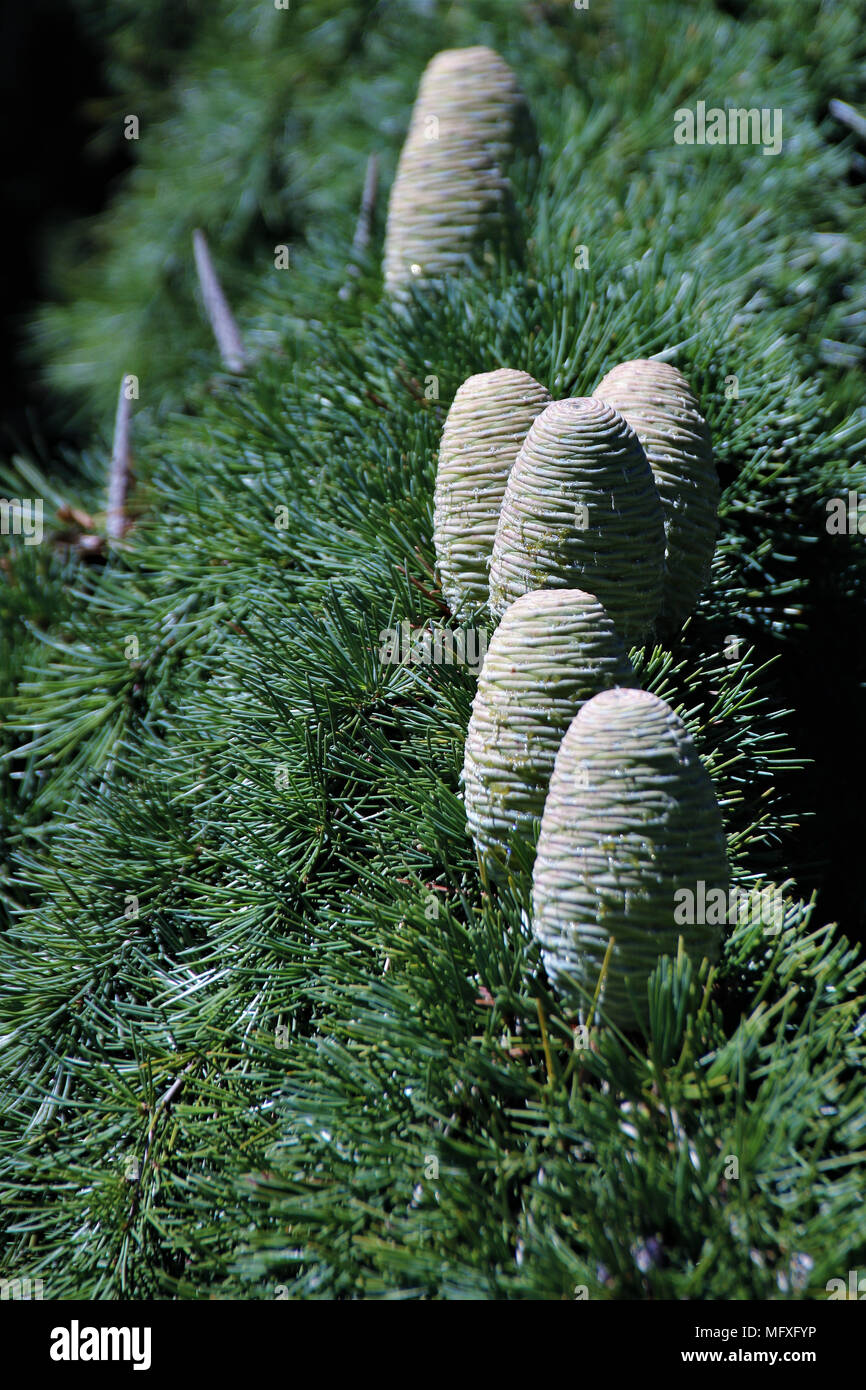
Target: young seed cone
553	650
451	191
581	510
658	403
630	818
486	425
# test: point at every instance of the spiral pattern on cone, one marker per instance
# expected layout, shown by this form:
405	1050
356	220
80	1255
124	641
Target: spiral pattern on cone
451	188
581	510
658	403
553	650
488	421
631	818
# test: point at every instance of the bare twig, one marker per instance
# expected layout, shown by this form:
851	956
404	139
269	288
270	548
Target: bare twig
119	478
160	1108
439	602
424	565
67	512
548	1060
368	206
222	320
841	111
364	224
166	1099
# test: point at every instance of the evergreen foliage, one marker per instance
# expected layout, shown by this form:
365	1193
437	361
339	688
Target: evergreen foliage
262	1023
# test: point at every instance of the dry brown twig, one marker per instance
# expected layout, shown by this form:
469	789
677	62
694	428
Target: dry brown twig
120	474
222	320
364	224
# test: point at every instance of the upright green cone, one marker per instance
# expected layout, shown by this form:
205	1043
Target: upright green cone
581	510
451	191
658	403
631	818
486	425
553	650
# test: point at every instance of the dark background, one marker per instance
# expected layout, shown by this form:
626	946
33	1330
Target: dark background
51	75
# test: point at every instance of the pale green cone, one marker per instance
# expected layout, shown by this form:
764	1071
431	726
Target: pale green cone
486	425
631	817
452	191
581	511
661	408
553	650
